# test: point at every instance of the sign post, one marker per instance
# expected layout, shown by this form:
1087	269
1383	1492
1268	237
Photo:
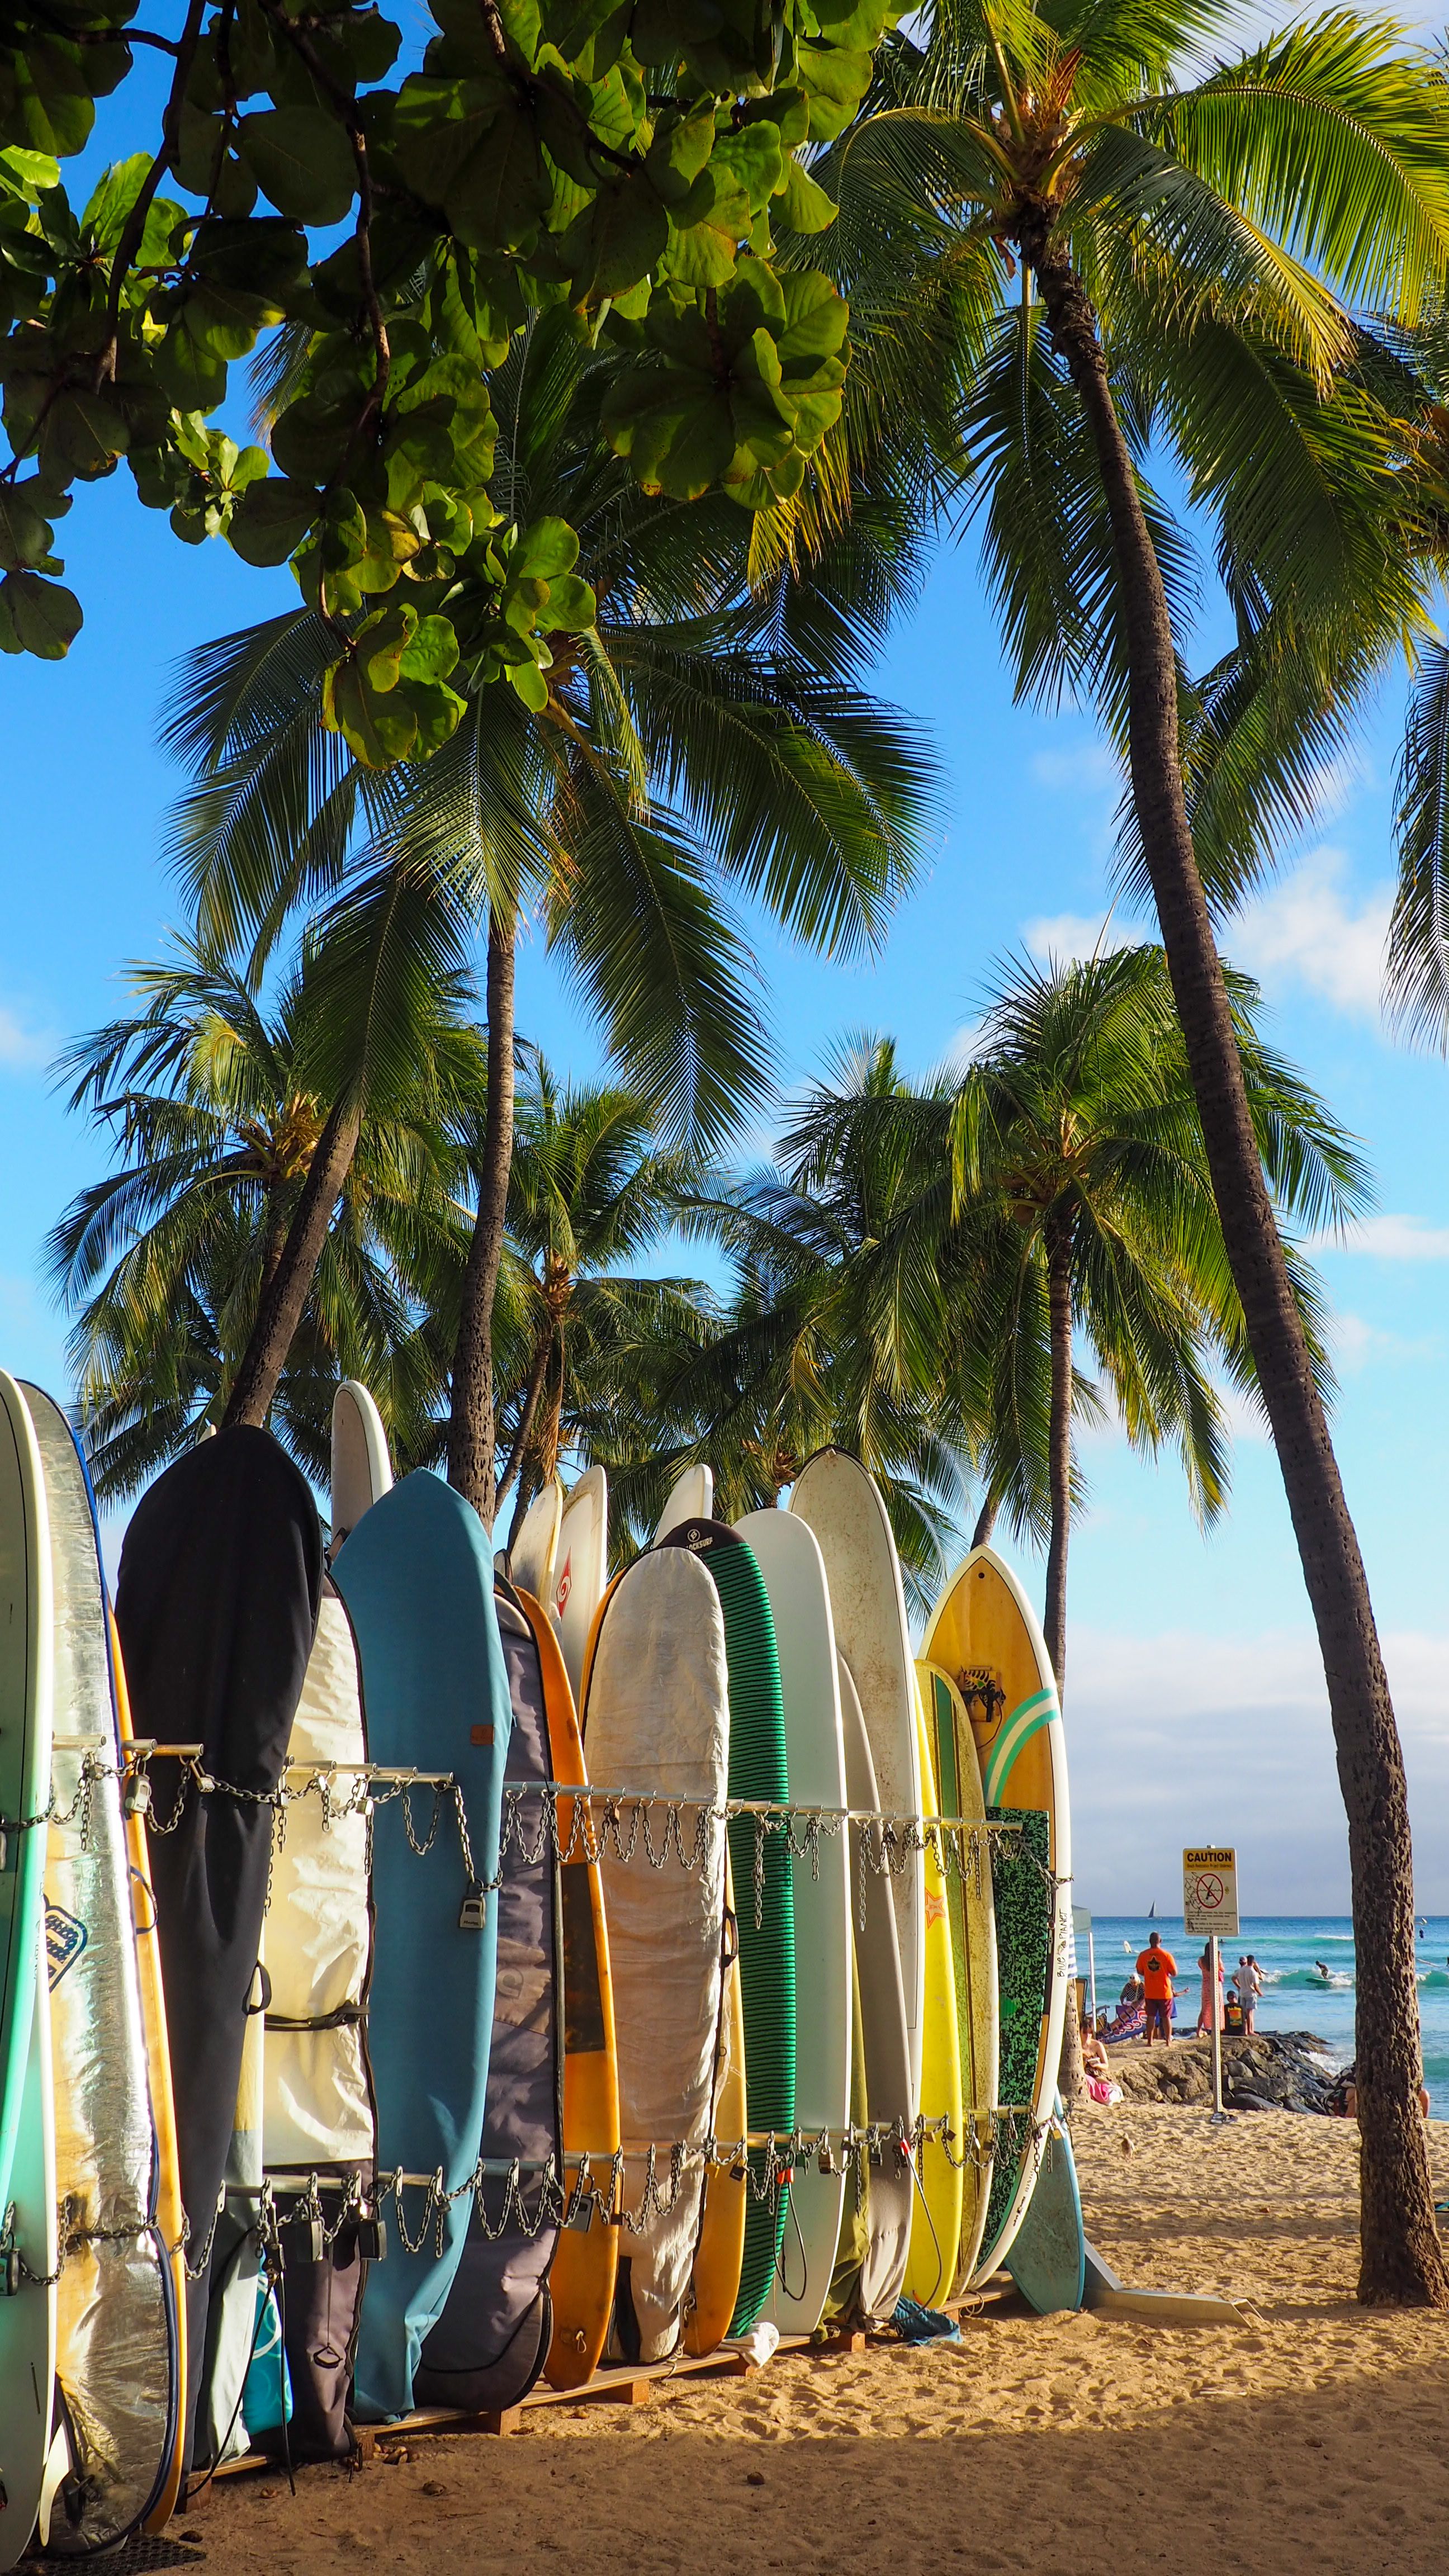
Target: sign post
1210	1906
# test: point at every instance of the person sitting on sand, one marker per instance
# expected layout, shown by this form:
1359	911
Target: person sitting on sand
1100	2083
1343	2094
1157	1968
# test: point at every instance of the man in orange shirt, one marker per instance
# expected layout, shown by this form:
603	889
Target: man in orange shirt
1157	1968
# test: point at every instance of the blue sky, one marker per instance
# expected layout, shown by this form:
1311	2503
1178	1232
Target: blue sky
1195	1707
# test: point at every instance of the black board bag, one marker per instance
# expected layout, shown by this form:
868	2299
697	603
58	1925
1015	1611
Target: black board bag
491	2341
216	1604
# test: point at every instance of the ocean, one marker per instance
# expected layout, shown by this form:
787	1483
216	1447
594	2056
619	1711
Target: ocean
1295	1996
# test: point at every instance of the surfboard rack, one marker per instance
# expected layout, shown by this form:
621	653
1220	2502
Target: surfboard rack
615	2384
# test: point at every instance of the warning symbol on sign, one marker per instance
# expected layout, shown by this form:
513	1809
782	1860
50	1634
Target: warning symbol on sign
1210	1892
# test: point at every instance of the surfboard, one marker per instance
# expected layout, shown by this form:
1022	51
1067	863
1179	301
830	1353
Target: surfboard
757	1769
842	1504
691	1498
532	1555
361	1466
318	2115
490	2343
27	2319
972	1916
1048	2261
935	2247
585	2263
985	1634
170	2211
793	1570
656	1716
115	2324
890	2098
719	2255
26	1681
417	1578
581	1564
216	1607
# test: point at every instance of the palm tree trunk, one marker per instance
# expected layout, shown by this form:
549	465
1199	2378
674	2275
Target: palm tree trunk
1401	2261
471	1426
525	1425
986	1518
1059	1306
279	1309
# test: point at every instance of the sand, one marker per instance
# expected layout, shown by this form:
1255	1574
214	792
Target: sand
1073	2446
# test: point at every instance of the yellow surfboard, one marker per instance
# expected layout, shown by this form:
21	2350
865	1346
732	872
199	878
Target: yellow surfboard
985	1634
581	2276
932	2263
170	2215
973	1945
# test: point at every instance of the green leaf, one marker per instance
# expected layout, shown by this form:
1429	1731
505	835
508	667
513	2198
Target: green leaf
187	372
29	173
46	616
271	519
530	684
25	533
302	160
571	604
617	240
803	202
432	652
500	195
546	548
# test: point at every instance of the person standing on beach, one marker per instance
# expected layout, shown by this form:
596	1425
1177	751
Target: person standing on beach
1157	1968
1249	1983
1207	2019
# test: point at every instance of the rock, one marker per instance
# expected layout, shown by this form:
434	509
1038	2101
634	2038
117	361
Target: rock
1275	2070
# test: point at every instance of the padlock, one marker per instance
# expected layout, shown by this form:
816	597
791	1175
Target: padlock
10	2273
305	2238
137	1801
371	2236
825	2162
473	1912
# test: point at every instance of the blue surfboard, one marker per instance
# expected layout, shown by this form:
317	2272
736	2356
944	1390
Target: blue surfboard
1048	2258
417	1578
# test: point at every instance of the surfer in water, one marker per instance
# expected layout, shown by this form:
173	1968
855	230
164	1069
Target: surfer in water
1321	1965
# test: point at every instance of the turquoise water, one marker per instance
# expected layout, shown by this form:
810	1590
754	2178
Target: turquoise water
1295	1997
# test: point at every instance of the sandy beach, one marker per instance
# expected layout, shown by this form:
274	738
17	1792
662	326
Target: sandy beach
1068	2446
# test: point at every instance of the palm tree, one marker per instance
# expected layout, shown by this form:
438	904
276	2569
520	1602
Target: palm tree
696	736
212	1105
591	1191
1079	1169
821	1344
1138	245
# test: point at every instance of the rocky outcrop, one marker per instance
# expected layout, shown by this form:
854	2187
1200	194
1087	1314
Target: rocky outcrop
1277	2070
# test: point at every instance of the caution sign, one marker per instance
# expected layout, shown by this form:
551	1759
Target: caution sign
1210	1892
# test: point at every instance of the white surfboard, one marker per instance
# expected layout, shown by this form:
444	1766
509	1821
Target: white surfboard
27	2321
580	1569
361	1467
534	1553
788	1555
889	2095
691	1498
836	1498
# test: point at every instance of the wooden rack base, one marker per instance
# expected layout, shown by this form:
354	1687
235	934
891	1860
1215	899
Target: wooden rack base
617	2384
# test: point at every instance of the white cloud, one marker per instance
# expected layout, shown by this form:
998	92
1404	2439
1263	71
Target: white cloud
1087	765
1308	930
24	1049
1390	1238
1190	1737
1070	936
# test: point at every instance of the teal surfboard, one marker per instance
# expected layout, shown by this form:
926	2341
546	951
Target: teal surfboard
417	1578
1048	2257
26	1681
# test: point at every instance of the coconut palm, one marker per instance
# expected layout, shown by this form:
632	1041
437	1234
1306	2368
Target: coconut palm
696	737
213	1104
1145	245
591	1191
